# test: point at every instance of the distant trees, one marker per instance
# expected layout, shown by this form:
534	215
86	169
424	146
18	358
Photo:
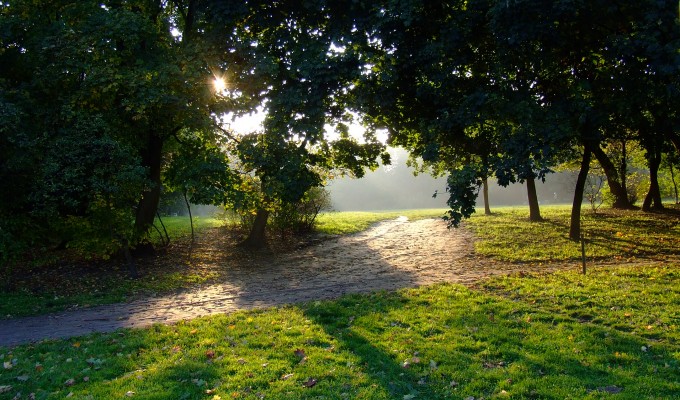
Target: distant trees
516	88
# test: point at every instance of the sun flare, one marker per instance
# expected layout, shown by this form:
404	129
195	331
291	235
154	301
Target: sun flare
219	84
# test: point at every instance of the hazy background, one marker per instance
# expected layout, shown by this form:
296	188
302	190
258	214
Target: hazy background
395	187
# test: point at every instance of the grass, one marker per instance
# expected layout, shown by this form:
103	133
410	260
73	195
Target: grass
563	336
347	222
508	235
179	227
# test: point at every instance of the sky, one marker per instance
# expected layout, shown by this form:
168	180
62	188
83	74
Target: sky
395	187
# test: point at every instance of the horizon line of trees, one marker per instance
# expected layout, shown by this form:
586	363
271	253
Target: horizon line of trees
104	104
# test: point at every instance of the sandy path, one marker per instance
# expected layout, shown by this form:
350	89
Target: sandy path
392	254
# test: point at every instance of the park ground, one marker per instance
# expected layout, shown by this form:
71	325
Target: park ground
499	309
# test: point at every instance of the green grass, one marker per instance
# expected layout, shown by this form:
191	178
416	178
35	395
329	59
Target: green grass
508	235
347	222
563	336
179	227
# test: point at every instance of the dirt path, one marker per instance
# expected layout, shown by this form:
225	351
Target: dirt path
393	254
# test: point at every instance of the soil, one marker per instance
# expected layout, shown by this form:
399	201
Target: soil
390	255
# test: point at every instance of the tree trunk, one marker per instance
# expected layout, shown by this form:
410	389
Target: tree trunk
148	204
618	191
675	185
653	198
623	167
575	223
485	193
534	209
257	238
191	218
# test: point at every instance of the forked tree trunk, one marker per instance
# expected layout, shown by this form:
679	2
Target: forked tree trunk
534	208
653	198
485	195
148	204
257	237
613	180
575	223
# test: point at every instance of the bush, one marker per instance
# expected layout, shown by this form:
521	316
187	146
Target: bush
300	217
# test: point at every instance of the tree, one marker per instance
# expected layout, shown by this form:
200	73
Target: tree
94	90
299	62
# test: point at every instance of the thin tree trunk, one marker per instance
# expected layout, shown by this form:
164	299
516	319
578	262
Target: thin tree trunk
675	185
534	209
653	198
575	223
485	193
257	237
623	167
148	204
191	219
165	231
618	191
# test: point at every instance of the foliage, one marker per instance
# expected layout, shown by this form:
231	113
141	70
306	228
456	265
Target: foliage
92	92
300	217
610	235
560	335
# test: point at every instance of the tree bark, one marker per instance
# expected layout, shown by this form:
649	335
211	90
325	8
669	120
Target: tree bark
148	204
257	237
485	193
618	191
575	223
534	209
653	198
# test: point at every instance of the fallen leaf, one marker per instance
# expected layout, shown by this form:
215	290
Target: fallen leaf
70	382
7	365
610	389
176	349
286	377
433	364
409	397
129	393
210	354
300	353
22	378
453	384
76	344
86	379
5	388
193	331
69	395
241	361
310	383
38	367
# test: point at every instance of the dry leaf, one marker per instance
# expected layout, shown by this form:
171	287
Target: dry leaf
300	353
210	354
310	383
70	382
286	377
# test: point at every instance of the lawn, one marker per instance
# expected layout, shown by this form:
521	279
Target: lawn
346	222
611	334
613	235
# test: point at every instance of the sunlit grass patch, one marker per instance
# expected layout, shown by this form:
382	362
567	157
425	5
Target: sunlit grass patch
347	222
552	336
508	235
